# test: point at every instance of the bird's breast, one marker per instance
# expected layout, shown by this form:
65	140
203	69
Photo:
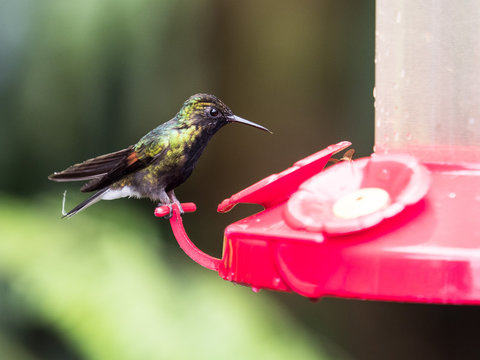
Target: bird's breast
183	148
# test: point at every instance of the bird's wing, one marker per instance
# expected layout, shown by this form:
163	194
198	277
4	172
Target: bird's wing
138	158
92	168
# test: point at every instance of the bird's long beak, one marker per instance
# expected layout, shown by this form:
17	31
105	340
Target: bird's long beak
240	120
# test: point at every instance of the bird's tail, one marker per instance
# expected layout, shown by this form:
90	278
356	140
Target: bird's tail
86	203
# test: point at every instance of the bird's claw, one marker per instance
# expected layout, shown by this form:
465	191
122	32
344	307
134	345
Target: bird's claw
180	208
170	210
170	207
170	214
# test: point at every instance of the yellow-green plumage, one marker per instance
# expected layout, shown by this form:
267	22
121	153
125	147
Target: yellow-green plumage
160	161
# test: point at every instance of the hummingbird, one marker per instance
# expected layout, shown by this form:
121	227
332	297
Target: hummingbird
159	162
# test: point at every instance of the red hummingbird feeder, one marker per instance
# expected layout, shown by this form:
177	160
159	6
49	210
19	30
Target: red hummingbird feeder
400	225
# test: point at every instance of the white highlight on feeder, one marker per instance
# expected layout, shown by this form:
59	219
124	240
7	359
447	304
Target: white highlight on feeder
64	213
361	202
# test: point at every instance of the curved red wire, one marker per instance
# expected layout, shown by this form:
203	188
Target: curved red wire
183	240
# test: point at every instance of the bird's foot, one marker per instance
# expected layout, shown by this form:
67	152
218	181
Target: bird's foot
173	200
166	210
170	207
179	207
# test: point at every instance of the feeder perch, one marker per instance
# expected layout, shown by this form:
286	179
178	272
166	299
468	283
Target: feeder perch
400	225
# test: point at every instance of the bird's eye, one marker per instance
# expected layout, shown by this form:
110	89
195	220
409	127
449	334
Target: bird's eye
214	112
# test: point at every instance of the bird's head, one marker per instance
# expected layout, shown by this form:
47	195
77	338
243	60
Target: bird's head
209	112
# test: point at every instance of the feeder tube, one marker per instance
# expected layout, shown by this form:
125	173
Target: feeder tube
427	79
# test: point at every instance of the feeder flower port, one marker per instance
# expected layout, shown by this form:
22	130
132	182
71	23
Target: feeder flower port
355	195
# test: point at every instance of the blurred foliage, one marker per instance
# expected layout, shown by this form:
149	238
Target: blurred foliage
112	292
84	77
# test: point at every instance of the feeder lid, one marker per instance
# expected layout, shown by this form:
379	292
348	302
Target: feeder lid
278	187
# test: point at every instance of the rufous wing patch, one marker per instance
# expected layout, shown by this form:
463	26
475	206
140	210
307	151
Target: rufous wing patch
132	158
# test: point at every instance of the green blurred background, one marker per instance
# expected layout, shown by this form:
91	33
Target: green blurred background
83	77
